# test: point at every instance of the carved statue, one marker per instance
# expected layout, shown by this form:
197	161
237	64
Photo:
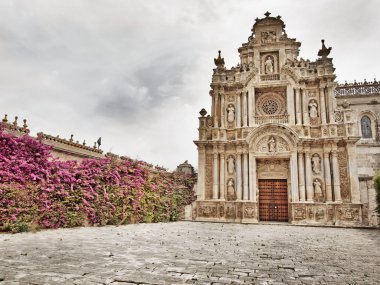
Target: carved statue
313	112
231	195
269	65
316	163
317	188
272	145
230	164
230	113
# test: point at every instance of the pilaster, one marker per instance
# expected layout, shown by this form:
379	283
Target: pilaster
301	176
336	178
215	188
238	173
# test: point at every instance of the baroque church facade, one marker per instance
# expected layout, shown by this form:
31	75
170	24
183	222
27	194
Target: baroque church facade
284	142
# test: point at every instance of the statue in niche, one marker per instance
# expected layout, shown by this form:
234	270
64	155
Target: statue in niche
316	163
230	164
313	109
272	145
231	195
269	65
317	188
230	113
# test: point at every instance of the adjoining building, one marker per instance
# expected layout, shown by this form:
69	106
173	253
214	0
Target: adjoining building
285	142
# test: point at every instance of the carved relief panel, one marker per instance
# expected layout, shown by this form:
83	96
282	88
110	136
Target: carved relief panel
272	144
276	169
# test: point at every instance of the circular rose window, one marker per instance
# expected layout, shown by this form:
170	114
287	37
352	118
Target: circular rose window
270	107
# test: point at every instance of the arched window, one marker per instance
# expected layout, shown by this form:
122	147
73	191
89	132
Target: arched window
366	127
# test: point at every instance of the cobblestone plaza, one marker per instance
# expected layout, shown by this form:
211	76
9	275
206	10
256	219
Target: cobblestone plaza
192	253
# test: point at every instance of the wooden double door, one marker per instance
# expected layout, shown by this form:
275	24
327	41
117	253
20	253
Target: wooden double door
273	200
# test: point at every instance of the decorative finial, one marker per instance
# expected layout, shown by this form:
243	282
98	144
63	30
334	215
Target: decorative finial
5	120
324	52
267	14
71	138
15	121
94	144
25	125
84	143
203	112
219	62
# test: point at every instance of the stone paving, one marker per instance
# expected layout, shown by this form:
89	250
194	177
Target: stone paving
192	253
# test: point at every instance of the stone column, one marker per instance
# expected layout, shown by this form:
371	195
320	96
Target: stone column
298	107
290	104
216	95
222	171
309	177
336	178
222	111
238	111
245	175
252	177
215	188
238	176
201	172
326	161
323	104
353	173
330	98
301	177
305	108
251	106
244	113
294	177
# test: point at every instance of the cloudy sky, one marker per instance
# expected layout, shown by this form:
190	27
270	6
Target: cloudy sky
137	73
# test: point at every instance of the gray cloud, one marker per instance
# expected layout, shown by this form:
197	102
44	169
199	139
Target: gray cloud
138	72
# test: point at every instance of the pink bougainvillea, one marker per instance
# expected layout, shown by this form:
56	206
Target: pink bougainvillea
37	191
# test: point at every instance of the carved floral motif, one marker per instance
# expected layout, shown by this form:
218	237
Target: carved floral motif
344	180
249	212
299	214
207	211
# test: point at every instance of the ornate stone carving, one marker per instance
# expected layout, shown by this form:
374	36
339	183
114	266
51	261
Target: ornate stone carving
277	169
230	113
272	145
221	211
230	211
269	65
315	132
299	213
231	164
207	211
268	37
311	94
249	212
318	193
270	104
320	214
313	109
316	163
344	180
231	193
208	176
338	116
349	214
